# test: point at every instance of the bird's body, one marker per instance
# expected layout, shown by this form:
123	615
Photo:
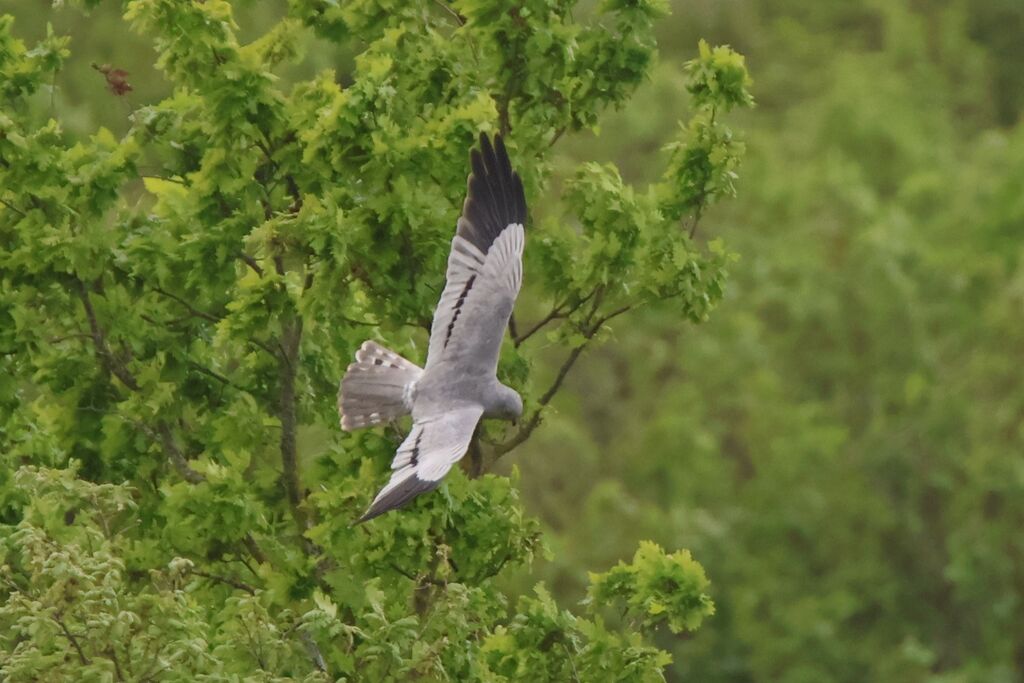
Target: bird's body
457	386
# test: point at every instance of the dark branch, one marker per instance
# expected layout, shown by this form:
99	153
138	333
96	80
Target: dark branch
422	581
264	346
461	20
527	429
234	583
696	218
12	208
254	549
215	375
189	307
169	179
71	637
558	134
556	313
177	458
117	664
291	336
251	262
110	363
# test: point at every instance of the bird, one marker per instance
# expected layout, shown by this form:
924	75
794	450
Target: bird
458	384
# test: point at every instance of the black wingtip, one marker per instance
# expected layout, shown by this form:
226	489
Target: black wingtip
494	196
399	496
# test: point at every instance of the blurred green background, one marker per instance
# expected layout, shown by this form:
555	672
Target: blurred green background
841	444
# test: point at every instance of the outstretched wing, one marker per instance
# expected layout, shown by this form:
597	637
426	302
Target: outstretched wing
485	267
432	447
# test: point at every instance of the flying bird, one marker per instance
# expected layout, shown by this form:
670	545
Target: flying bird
458	385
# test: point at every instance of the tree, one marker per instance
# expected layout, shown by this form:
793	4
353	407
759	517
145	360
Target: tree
178	304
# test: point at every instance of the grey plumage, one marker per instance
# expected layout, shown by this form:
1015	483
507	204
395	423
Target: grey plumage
376	388
457	386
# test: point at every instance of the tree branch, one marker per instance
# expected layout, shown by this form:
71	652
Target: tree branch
527	429
251	262
558	134
696	217
71	637
461	20
110	363
291	336
174	454
254	549
12	207
557	312
191	309
234	583
216	375
117	664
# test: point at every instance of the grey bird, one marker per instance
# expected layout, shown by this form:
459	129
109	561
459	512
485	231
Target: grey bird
457	386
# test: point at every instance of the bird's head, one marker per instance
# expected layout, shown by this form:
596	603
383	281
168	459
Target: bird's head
509	405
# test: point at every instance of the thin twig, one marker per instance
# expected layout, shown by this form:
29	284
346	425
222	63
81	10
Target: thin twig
572	663
179	181
558	134
77	335
117	664
191	309
107	358
234	583
251	262
557	312
527	429
255	550
215	375
696	219
263	345
177	458
458	17
367	323
12	207
74	641
421	581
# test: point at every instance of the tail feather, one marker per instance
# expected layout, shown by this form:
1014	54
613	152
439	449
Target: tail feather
376	388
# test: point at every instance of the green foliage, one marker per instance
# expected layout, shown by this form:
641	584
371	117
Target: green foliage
718	78
657	588
180	293
841	444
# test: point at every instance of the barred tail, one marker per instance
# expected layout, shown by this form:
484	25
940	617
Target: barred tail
376	388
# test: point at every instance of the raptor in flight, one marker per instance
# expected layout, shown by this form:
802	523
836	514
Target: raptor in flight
458	385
